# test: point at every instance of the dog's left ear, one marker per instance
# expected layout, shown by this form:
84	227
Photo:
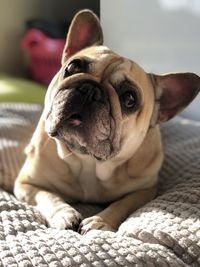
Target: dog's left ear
173	92
85	30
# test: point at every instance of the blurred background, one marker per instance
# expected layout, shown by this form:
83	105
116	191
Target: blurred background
13	18
161	35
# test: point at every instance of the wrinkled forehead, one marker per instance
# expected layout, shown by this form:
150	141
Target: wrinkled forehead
98	57
96	54
106	63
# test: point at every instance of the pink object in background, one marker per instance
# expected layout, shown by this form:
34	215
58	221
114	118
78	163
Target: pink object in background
44	55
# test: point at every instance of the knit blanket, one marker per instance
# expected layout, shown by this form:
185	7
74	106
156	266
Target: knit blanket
165	232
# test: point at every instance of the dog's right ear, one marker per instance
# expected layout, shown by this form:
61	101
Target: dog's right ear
85	30
173	92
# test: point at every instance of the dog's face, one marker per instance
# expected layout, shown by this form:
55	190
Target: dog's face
98	99
103	105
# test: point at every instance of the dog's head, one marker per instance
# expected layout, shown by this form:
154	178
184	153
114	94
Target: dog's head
102	104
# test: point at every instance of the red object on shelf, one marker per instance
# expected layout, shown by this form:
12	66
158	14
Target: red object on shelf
44	55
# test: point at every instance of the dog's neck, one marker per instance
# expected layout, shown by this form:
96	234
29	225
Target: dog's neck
85	165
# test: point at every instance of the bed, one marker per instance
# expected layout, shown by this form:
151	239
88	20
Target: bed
165	232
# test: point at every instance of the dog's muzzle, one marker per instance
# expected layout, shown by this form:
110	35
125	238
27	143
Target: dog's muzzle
70	104
80	116
89	93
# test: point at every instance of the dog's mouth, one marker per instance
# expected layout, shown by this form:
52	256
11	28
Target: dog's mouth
80	116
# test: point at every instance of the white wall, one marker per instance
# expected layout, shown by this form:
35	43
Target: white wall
161	35
161	39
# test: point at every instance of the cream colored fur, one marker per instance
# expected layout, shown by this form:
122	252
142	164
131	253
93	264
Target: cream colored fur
53	177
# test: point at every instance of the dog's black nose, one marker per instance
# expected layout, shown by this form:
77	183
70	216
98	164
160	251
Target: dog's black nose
53	133
91	91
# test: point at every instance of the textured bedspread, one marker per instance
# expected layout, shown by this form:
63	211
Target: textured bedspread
165	232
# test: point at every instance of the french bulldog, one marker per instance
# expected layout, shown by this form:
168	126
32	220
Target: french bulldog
98	139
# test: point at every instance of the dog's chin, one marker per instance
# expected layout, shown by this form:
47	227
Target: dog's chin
94	137
90	139
101	151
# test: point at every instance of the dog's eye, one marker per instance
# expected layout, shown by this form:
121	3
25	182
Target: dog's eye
128	99
75	66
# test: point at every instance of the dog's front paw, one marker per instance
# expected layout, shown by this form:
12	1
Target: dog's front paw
65	217
94	222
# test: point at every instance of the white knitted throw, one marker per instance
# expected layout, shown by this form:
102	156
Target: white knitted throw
165	232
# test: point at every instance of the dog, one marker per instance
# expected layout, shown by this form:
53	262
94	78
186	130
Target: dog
98	139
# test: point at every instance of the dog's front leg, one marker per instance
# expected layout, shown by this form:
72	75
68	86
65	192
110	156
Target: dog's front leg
111	217
57	213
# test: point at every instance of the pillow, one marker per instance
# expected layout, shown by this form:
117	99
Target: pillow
165	232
